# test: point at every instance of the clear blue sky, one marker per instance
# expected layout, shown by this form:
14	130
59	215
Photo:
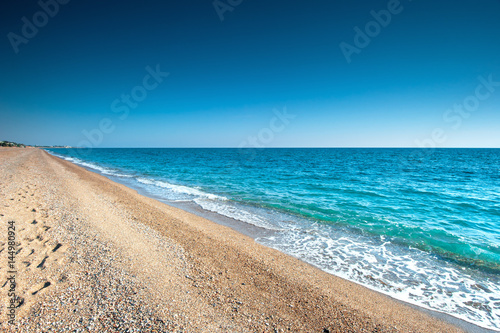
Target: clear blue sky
227	76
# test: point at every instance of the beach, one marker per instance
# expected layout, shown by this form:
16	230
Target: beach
94	255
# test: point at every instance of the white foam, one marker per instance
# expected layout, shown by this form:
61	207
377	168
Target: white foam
407	274
102	170
230	210
211	202
194	192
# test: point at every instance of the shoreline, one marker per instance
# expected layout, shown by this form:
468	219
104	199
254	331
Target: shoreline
250	231
255	232
252	286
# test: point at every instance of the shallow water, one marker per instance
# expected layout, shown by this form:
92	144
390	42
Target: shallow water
420	225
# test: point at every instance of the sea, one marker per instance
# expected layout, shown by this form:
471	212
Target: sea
420	225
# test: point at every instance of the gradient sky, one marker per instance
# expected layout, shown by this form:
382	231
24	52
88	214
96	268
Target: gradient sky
227	76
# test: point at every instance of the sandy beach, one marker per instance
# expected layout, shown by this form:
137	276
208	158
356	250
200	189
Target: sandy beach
95	256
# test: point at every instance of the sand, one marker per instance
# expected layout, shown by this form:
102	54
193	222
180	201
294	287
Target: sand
96	256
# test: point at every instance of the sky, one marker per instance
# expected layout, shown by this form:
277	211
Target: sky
241	73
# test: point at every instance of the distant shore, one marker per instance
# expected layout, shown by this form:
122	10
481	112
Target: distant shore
96	255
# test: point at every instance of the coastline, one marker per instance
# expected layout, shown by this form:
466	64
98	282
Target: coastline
256	232
221	280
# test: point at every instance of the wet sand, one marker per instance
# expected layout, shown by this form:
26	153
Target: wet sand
97	256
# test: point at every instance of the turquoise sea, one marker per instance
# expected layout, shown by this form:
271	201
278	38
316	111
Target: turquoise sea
420	225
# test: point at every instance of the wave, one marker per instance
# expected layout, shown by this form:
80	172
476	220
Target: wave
93	166
180	189
213	203
207	201
376	249
407	274
233	211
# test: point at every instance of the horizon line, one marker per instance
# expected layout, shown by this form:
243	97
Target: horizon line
202	147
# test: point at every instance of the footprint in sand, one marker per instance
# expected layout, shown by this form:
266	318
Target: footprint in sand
58	245
40	287
40	251
41	265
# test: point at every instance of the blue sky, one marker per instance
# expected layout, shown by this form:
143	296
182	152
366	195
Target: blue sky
227	78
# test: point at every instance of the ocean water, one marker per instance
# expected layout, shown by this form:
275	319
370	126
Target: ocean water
422	226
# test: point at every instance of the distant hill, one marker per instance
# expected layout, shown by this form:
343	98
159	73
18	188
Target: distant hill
20	145
11	144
